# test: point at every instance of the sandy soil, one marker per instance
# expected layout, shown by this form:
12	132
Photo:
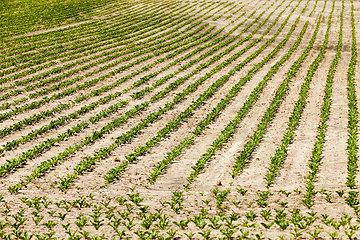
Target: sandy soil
214	196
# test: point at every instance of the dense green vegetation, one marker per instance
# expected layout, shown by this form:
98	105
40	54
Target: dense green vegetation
29	15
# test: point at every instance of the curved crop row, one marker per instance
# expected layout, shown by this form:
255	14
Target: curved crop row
294	119
108	56
255	139
50	15
201	126
69	91
141	150
180	40
149	76
28	54
102	153
226	133
48	143
317	151
129	114
30	154
39	116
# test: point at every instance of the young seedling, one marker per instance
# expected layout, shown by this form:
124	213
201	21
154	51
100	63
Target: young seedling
85	234
207	201
236	203
328	197
199	221
147	222
189	235
50	224
62	216
37	219
182	224
135	198
263	196
259	235
115	223
296	233
205	234
266	214
297	191
96	221
315	234
121	200
340	192
215	222
129	224
163	222
350	234
51	213
66	226
333	235
81	222
352	200
285	193
241	191
228	233
268	225
250	215
19	220
171	233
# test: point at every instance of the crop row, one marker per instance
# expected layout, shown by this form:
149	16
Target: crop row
85	67
255	139
222	104
42	115
140	52
103	152
353	113
294	119
203	97
50	15
27	52
125	37
149	76
68	91
317	151
230	128
139	107
201	126
70	49
130	49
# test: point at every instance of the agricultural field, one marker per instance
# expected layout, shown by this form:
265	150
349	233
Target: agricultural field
194	119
